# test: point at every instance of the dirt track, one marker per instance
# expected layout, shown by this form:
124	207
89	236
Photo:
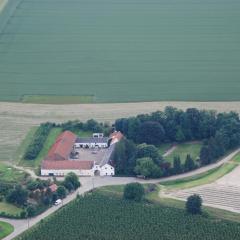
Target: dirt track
17	118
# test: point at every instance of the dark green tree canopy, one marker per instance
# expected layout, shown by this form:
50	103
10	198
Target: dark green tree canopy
133	191
194	204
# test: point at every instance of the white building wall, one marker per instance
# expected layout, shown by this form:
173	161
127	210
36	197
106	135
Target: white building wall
91	145
107	170
64	172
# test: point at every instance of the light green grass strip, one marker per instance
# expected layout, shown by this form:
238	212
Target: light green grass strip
5	229
201	179
53	99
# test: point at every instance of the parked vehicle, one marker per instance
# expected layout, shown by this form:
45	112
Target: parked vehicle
58	201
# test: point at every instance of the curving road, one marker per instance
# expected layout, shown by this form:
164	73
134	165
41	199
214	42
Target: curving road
89	183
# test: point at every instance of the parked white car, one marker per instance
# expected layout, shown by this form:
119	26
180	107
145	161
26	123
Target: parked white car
58	201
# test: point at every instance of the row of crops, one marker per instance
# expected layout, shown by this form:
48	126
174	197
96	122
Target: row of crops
100	217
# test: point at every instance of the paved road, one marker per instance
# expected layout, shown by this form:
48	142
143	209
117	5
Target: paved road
89	183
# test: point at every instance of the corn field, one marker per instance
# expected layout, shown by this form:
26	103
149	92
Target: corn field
101	217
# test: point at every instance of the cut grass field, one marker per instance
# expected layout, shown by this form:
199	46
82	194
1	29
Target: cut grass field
177	51
200	179
9	208
182	150
237	158
5	229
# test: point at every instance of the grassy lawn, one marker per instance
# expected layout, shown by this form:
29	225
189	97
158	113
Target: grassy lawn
237	158
164	147
54	133
54	99
10	174
203	178
5	229
183	150
9	208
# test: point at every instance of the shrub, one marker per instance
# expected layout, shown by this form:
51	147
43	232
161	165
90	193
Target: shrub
194	204
133	191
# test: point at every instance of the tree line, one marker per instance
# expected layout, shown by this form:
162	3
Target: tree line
220	132
38	141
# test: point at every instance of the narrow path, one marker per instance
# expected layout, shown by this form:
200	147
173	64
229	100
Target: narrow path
170	150
89	183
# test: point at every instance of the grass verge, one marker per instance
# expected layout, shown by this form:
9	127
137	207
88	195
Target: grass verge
200	179
5	229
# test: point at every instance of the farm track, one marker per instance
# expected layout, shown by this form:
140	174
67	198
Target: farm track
17	118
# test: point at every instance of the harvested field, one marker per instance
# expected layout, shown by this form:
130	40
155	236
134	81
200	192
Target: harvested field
120	51
16	119
224	193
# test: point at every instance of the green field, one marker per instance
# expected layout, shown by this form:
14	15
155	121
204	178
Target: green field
99	216
182	150
5	229
119	51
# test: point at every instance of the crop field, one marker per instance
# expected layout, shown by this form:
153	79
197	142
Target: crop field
119	50
102	217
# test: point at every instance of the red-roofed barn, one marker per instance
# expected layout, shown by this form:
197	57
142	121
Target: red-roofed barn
62	148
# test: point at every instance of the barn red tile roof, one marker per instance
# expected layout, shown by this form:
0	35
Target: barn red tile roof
63	146
53	187
116	136
67	165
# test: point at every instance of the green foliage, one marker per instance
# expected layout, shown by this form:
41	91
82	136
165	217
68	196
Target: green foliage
96	216
177	167
61	192
30	211
147	168
144	150
39	139
124	157
71	181
133	191
151	132
194	204
17	196
189	164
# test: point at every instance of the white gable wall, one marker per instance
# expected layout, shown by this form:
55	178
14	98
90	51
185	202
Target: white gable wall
107	170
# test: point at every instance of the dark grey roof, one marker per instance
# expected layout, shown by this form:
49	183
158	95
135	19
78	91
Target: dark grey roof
107	157
92	140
